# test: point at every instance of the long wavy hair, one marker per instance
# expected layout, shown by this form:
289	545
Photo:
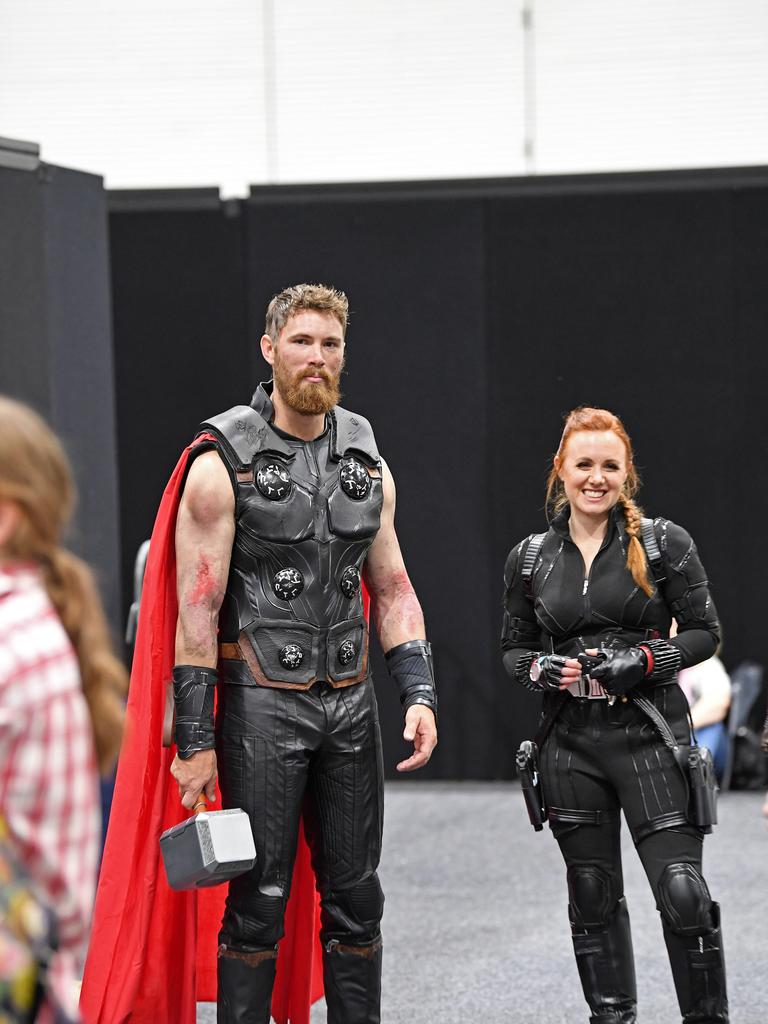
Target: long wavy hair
35	475
587	418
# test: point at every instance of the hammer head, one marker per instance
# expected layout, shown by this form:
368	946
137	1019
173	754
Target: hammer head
208	849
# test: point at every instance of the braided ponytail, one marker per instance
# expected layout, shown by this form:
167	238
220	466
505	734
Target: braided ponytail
73	593
637	563
35	475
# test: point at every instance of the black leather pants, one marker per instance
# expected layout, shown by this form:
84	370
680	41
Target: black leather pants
282	752
600	760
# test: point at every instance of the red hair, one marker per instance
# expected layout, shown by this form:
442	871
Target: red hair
587	418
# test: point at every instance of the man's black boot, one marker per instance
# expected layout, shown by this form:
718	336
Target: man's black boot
352	976
245	986
698	968
607	969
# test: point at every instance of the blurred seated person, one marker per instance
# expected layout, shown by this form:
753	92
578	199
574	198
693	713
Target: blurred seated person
707	688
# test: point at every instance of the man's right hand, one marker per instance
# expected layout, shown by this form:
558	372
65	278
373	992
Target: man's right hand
195	775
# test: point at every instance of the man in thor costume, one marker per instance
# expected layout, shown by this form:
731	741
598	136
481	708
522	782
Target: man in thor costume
287	514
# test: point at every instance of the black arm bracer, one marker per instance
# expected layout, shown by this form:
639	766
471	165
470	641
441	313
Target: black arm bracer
410	665
666	660
522	669
193	692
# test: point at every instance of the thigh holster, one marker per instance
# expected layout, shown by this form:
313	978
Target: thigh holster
673	819
575	816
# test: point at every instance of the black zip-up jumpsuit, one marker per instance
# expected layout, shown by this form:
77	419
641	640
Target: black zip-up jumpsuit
602	757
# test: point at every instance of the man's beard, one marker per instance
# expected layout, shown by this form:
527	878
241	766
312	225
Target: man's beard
307	397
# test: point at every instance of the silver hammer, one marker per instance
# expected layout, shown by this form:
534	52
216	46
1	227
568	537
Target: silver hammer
209	848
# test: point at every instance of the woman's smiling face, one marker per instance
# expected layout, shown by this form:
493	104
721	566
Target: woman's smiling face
593	467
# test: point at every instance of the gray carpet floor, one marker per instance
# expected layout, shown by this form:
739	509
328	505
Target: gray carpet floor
476	927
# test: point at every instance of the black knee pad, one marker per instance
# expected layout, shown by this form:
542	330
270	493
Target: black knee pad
683	900
593	894
253	922
363	902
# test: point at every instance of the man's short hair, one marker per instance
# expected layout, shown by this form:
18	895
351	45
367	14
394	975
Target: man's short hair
305	296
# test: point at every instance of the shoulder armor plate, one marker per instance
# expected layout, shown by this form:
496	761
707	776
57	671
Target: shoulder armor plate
243	434
351	432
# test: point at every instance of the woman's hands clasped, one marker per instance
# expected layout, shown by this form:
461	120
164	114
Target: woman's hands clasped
555	672
618	671
622	670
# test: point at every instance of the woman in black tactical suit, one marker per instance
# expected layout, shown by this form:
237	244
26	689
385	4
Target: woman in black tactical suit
586	586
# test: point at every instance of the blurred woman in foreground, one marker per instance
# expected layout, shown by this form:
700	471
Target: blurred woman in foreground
60	689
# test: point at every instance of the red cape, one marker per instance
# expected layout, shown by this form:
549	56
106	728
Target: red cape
153	951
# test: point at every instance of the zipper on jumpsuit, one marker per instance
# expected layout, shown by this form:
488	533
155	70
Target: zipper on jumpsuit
588	577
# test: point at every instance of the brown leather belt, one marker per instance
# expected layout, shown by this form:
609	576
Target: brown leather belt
243	650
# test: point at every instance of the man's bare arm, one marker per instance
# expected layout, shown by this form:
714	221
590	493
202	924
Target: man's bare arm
205	530
399	620
396	608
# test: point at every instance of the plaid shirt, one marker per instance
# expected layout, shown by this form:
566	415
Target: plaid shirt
48	777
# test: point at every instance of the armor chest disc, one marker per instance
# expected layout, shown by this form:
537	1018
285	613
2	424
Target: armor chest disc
311	496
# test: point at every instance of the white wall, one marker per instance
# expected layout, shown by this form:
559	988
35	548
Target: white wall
147	92
232	92
626	85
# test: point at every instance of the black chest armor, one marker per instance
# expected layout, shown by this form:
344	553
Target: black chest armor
606	606
550	606
305	515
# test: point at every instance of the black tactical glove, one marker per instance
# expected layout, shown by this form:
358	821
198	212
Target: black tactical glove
547	671
622	670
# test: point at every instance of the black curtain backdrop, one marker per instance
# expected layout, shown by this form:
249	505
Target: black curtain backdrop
56	342
181	326
481	313
23	332
413	271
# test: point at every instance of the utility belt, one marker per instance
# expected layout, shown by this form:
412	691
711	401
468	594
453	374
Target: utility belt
611	638
588	689
694	761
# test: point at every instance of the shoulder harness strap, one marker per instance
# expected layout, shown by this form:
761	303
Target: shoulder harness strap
529	562
653	551
243	434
